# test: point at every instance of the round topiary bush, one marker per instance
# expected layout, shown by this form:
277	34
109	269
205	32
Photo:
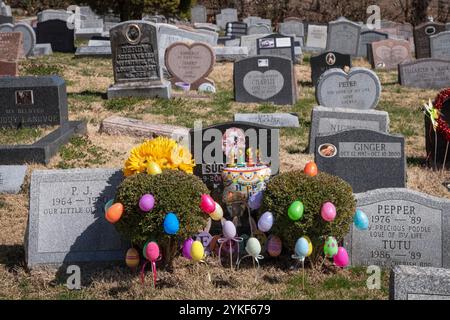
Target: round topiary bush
285	188
174	191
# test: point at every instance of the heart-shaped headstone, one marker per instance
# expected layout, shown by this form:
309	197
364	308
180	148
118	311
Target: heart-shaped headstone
391	53
29	36
263	85
359	89
190	63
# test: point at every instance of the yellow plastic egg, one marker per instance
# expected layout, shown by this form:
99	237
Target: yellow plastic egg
153	168
197	251
132	258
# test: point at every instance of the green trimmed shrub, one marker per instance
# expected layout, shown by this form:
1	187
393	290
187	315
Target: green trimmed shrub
285	188
174	191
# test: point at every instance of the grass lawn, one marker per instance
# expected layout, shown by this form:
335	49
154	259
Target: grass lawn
87	82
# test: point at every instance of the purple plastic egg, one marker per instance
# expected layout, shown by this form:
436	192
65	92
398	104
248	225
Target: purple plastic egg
187	244
229	230
147	202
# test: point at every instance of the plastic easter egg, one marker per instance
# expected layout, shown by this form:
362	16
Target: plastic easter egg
114	213
152	251
217	214
147	202
207	204
108	205
311	169
197	251
331	247
171	223
274	246
187	244
295	211
310	246
153	168
132	258
265	222
255	200
229	229
253	247
328	211
341	258
301	247
360	220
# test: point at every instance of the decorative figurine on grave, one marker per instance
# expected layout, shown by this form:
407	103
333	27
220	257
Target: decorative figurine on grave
242	183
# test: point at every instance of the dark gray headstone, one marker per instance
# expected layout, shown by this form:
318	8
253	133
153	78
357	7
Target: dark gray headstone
32	101
236	29
136	62
6	19
419	283
343	37
422	34
328	60
278	120
367	37
427	73
358	89
57	33
265	79
325	121
440	45
406	227
366	159
66	222
276	45
11	178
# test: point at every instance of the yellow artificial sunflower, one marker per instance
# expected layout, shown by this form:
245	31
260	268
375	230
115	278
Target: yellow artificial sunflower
163	151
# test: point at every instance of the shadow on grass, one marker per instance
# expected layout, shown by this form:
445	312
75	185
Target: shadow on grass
416	161
12	256
88	93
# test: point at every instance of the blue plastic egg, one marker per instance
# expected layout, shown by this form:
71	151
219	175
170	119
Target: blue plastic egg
302	247
360	220
171	223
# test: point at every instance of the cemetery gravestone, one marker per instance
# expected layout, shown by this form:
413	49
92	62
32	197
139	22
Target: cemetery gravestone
66	222
343	37
328	60
11	178
388	54
440	45
230	53
419	283
9	68
355	155
366	38
51	14
57	33
252	20
10	46
316	36
278	120
236	29
198	14
427	73
137	71
276	45
358	89
29	36
225	16
326	121
265	79
259	28
250	42
406	227
422	34
190	63
292	27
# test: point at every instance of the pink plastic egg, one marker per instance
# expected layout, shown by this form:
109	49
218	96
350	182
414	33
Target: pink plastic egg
152	251
147	202
341	258
207	204
328	211
229	230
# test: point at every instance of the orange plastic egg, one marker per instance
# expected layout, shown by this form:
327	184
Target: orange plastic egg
132	258
310	169
114	213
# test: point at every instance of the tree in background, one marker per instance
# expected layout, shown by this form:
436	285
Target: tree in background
419	12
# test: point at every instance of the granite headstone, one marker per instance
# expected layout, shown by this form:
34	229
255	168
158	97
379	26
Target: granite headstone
278	120
440	45
58	34
11	178
426	73
11	46
198	14
328	60
366	38
343	37
29	36
259	28
276	45
388	54
316	36
422	34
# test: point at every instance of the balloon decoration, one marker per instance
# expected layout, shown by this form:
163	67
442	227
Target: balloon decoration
152	254
265	222
255	200
229	233
207	204
153	168
360	220
274	246
171	224
328	211
114	213
295	211
253	248
132	258
331	247
186	249
217	214
146	203
341	258
311	169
